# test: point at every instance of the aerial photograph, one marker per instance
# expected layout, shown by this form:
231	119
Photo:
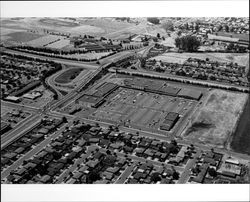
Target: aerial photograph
125	100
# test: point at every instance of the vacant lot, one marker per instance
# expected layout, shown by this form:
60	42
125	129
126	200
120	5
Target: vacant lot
58	22
23	36
45	40
241	59
68	75
59	44
216	120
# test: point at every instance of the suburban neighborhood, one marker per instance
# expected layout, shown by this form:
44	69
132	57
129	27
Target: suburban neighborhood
154	100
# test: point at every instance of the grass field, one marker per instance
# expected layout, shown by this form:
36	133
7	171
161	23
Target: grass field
59	44
23	36
215	121
44	40
241	59
142	110
58	22
68	75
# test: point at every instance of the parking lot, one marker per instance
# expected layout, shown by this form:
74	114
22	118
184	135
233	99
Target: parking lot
142	110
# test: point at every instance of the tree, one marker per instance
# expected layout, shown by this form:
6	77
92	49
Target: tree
226	27
92	177
212	172
153	20
230	46
186	26
179	33
187	43
158	35
176	175
197	27
64	119
155	177
168	26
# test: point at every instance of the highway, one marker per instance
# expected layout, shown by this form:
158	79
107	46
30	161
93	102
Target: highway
19	131
86	65
20	106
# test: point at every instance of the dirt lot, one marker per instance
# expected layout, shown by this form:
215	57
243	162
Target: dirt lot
215	121
40	102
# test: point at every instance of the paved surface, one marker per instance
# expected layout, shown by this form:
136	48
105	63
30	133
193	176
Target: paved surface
58	60
187	171
126	173
19	131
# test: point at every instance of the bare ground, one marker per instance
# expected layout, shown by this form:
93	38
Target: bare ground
215	121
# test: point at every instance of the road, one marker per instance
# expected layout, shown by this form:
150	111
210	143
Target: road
86	65
20	106
19	131
126	173
187	171
32	152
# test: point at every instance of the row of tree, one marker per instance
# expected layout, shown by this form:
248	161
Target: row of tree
63	57
187	43
232	88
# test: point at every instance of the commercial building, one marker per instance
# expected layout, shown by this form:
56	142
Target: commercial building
90	101
190	94
169	121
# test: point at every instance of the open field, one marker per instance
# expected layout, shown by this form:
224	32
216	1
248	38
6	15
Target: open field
58	22
68	75
241	59
59	44
141	110
44	40
215	121
23	36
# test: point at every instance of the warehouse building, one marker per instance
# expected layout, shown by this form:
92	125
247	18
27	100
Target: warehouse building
169	121
190	94
90	101
105	89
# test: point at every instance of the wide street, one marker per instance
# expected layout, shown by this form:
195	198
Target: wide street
87	65
20	130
